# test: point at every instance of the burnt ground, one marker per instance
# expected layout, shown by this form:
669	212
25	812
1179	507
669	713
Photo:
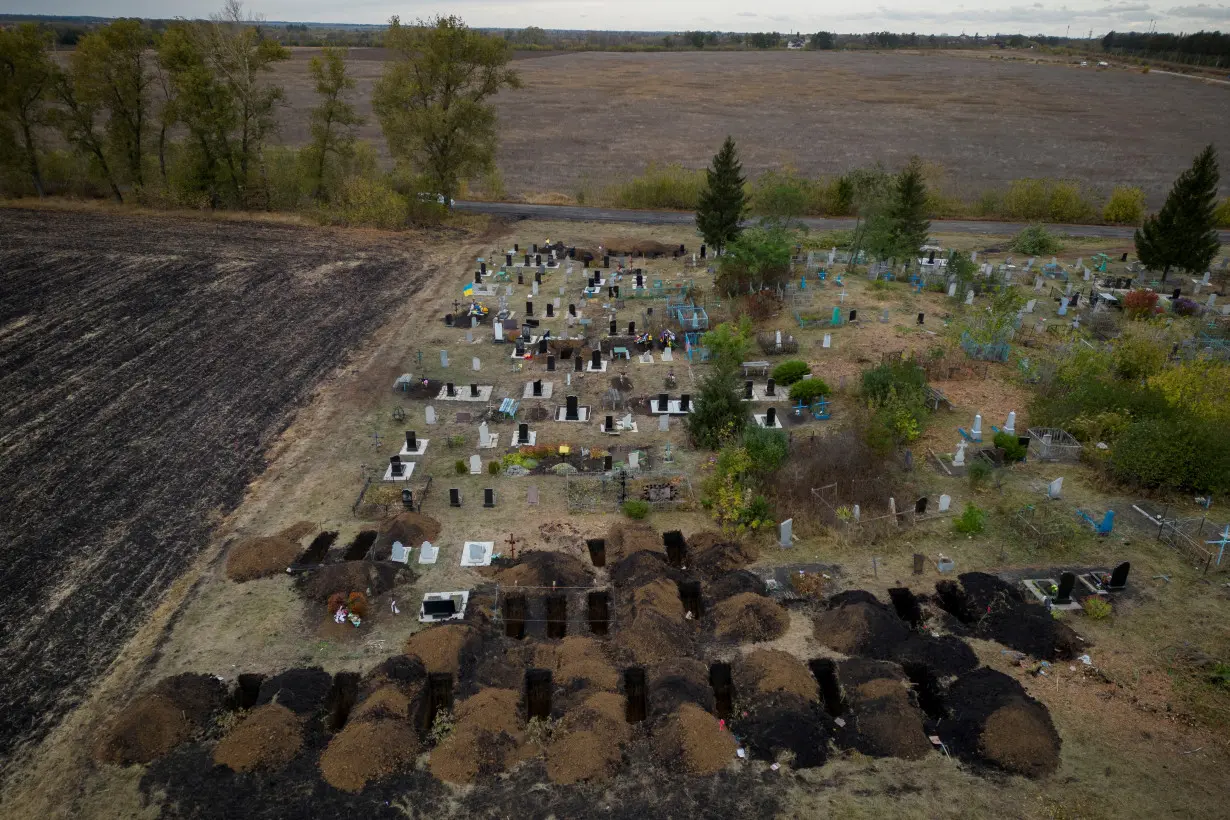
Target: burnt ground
146	366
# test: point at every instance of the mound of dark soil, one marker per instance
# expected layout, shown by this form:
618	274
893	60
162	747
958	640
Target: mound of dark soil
628	537
303	691
266	738
486	739
713	553
542	569
368	577
770	670
640	568
148	728
734	583
998	611
443	648
888	726
578	662
860	628
852	596
945	656
400	669
996	722
199	696
693	739
678	681
651	637
576	756
782	726
410	528
854	672
261	557
749	618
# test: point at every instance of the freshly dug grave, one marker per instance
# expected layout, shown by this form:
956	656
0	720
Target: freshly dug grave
661	596
368	750
855	672
996	722
785	728
389	701
267	738
734	583
889	727
399	669
578	661
945	656
543	569
713	553
442	648
576	756
368	577
158	720
148	728
678	681
410	528
998	611
640	568
650	637
749	618
771	670
303	691
627	537
487	738
860	628
602	713
691	737
261	557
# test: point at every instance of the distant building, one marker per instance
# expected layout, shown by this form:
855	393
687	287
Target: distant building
794	45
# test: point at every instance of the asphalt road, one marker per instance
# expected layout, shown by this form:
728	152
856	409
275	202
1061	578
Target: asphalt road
573	213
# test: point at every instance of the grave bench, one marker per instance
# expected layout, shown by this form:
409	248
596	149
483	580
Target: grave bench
759	368
509	407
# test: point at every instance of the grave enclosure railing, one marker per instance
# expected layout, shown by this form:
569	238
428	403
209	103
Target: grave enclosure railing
1187	536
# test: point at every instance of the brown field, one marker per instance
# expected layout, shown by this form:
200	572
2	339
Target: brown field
585	120
1142	731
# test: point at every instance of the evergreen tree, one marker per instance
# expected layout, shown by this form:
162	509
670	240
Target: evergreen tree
723	202
720	413
1183	233
908	212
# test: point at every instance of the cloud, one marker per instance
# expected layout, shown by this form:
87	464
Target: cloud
1201	11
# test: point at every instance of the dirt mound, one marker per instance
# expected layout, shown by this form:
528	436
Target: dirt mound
402	669
749	618
852	596
640	568
628	537
297	530
267	738
441	648
261	557
578	661
199	696
713	553
854	672
576	756
692	738
994	721
487	738
368	577
149	727
890	727
998	611
410	528
679	681
786	728
389	701
303	691
881	688
944	656
542	569
602	713
771	670
860	628
661	596
734	583
651	637
368	750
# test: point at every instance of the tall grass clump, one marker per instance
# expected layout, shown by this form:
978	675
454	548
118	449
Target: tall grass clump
670	187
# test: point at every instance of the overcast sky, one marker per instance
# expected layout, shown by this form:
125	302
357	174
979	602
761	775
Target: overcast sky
940	16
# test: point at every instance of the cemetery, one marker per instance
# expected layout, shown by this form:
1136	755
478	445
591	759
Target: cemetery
584	527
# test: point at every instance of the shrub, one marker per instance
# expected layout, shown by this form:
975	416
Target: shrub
1012	447
1035	240
1176	454
808	390
459	467
898	376
369	203
1222	214
1140	303
1126	206
671	187
791	371
493	468
978	472
1096	607
971	521
1185	307
767	449
636	509
781	195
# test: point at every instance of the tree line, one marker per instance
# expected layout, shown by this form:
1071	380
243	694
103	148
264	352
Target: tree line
1210	48
187	115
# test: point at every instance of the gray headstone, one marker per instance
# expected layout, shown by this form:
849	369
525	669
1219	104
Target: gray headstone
444	358
476	364
1055	488
786	533
664	423
476	465
430	412
945	502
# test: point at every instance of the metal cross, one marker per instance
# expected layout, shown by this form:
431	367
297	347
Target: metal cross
375	439
1221	543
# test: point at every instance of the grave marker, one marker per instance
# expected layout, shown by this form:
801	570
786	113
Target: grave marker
1064	594
1119	577
476	465
785	533
488	497
454	497
945	502
430	413
1055	488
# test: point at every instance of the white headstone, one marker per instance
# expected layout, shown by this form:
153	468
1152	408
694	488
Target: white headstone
428	553
778	340
973	257
444	358
664	423
786	533
1038	283
952	290
667	356
534	289
430	412
476	364
476	465
828	340
958	460
497	327
977	431
969	297
400	554
634	460
1205	279
945	501
1029	306
1010	426
1055	488
858	514
469	337
892	506
627	422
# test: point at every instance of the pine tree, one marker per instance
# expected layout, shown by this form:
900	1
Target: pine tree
908	213
1183	234
722	203
720	413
